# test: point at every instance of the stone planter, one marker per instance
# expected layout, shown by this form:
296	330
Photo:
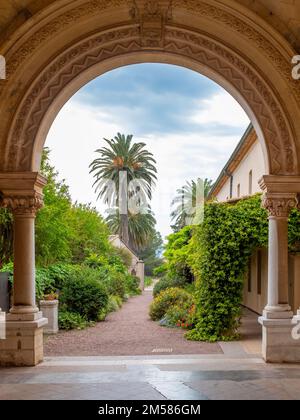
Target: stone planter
50	311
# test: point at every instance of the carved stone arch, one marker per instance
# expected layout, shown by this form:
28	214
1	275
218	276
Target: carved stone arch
67	43
152	33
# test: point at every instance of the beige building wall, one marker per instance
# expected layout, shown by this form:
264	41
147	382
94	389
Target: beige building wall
256	281
246	166
255	285
137	266
294	281
245	176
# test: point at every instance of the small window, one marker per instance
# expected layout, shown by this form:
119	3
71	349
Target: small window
250	182
249	276
231	186
238	191
258	274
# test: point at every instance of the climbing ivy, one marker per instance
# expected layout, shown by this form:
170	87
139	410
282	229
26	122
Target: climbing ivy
219	253
220	249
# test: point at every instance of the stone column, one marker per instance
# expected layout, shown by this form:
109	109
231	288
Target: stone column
278	206
278	342
23	346
24	211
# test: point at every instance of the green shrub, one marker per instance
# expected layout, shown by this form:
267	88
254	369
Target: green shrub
168	298
84	294
43	283
114	275
60	272
114	303
132	285
148	281
123	255
71	321
160	270
113	281
177	253
167	282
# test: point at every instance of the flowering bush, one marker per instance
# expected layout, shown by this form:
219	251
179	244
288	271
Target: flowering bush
174	296
181	316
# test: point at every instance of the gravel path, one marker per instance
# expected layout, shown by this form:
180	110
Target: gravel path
128	331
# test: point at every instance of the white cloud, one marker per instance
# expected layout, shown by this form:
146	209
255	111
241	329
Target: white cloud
221	108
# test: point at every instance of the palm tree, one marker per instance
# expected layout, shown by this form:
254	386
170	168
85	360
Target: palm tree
121	155
187	199
141	227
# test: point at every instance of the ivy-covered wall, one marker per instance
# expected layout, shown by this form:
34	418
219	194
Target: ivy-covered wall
219	251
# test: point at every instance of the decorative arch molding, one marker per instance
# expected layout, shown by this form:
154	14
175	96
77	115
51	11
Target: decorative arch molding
153	30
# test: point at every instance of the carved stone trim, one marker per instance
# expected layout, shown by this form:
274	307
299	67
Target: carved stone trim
224	17
199	7
279	205
152	16
120	41
247	81
23	205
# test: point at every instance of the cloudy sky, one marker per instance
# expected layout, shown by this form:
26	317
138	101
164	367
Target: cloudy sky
188	122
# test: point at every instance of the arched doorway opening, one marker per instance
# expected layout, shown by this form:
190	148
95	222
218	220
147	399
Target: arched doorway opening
47	62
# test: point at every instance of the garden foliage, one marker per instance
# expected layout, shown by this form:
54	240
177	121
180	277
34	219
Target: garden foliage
217	253
74	256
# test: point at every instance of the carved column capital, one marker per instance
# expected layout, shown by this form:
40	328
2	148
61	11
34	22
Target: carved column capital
23	205
22	192
279	204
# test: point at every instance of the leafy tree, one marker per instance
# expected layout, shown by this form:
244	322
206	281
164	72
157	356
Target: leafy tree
122	155
89	232
141	228
189	197
53	233
151	255
177	254
66	232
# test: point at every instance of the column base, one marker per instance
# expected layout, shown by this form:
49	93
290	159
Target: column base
23	345
278	341
278	312
24	309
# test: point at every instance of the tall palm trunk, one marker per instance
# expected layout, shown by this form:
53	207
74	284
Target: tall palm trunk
124	230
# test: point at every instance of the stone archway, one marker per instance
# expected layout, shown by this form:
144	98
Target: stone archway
69	43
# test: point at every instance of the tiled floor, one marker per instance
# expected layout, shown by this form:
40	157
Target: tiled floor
236	373
226	376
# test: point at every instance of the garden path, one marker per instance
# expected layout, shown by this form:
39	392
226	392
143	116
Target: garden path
126	332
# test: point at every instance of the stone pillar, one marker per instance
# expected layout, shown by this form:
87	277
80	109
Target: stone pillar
278	344
140	272
278	207
22	194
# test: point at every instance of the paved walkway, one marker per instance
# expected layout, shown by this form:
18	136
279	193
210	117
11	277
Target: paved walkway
188	377
128	331
235	372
